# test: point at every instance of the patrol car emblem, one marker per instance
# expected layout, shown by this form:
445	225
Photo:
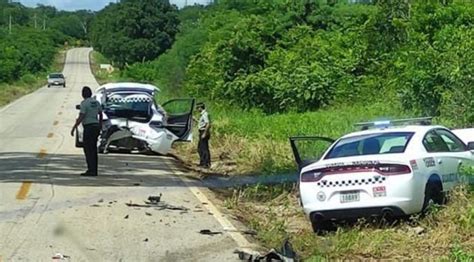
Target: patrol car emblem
321	196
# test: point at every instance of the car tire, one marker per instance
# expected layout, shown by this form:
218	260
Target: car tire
433	195
321	226
49	86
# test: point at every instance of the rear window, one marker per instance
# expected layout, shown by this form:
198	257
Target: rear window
56	76
373	144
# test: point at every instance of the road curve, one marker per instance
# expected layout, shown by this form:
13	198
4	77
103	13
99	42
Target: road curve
47	208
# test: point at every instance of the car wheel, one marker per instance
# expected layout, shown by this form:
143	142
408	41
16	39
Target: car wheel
433	195
49	86
321	226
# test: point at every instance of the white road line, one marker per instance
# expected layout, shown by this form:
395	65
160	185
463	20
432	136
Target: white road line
241	241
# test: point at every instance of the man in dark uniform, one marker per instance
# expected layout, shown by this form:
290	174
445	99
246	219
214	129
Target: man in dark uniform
90	109
204	126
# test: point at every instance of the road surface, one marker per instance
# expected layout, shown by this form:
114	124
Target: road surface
47	208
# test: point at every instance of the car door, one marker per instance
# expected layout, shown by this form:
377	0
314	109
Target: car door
440	160
458	157
309	149
180	118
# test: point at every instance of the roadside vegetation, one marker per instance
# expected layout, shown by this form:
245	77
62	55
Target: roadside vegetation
268	70
35	44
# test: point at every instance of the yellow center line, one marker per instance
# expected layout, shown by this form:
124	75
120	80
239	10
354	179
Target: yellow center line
24	189
42	153
50	135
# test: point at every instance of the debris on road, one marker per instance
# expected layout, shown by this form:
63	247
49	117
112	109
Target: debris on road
159	206
155	199
126	217
137	205
209	232
145	240
245	232
287	254
60	256
101	200
148	214
95	205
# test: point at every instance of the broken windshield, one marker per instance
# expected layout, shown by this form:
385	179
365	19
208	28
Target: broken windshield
134	106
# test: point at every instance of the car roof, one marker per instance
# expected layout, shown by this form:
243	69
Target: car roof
391	129
129	85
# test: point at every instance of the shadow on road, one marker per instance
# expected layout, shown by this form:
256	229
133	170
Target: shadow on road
64	170
118	170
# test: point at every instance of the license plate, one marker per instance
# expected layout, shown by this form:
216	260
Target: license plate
350	196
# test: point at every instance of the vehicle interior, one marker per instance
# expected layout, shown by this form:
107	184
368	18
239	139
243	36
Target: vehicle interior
136	107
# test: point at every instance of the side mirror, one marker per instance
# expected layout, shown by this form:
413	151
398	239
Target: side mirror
78	107
470	146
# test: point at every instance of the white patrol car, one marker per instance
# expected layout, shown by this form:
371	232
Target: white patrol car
384	170
134	121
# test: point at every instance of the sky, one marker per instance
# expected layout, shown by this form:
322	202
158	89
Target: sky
90	4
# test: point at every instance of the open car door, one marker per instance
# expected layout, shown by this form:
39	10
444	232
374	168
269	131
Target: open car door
309	149
180	117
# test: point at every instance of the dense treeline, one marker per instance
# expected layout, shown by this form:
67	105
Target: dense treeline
29	46
283	55
135	30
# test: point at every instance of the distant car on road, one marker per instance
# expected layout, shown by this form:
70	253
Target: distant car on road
134	121
56	79
390	168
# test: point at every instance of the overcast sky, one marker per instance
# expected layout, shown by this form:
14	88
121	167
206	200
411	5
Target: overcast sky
90	4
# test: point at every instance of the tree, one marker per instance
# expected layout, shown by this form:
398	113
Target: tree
135	30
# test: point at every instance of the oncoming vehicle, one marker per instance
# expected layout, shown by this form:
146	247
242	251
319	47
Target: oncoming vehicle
133	121
389	169
56	79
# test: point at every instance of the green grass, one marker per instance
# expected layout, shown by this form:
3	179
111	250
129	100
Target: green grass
102	76
258	143
447	236
29	83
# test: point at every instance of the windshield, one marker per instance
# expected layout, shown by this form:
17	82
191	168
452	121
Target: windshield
56	76
129	106
372	144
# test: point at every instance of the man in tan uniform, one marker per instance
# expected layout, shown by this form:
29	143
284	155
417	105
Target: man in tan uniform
91	118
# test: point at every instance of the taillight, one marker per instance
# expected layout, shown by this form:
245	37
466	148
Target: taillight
393	169
311	176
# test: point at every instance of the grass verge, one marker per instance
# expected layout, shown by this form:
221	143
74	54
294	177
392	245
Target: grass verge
101	75
446	234
29	83
250	142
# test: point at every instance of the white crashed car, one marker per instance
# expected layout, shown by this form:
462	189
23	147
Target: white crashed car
384	170
133	121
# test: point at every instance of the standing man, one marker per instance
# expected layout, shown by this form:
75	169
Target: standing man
90	109
204	126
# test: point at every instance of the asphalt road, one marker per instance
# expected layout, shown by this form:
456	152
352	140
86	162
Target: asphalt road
47	208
